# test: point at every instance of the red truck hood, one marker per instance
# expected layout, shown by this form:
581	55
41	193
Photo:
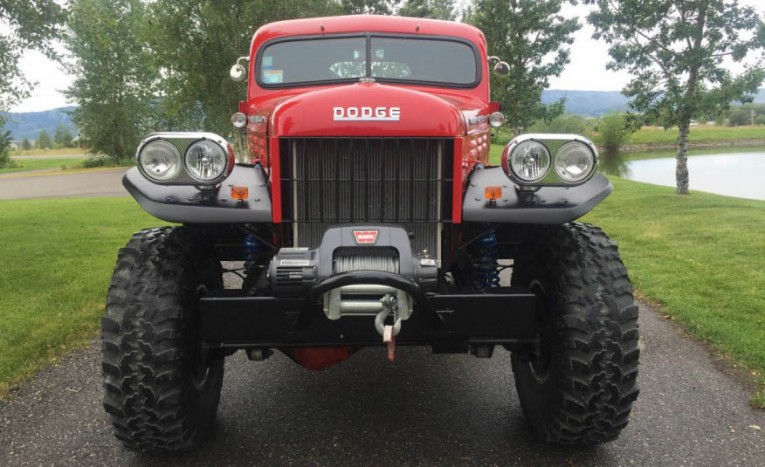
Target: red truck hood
366	109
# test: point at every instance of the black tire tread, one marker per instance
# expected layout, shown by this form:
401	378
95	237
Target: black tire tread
145	334
597	327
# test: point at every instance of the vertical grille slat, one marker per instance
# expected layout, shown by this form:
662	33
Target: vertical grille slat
403	181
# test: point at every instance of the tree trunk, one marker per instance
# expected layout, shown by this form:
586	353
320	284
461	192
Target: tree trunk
681	170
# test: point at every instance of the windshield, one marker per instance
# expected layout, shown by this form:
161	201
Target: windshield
444	62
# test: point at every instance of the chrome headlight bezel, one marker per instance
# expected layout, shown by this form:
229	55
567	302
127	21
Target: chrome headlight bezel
170	150
182	141
553	143
509	162
218	152
562	173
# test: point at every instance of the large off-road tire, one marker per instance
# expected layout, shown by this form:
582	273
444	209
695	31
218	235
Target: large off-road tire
161	391
577	387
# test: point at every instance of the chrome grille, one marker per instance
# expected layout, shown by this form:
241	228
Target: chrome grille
403	181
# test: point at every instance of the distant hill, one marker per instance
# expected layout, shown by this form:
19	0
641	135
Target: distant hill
760	97
597	103
30	124
586	103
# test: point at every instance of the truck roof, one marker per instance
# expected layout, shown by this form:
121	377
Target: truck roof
366	23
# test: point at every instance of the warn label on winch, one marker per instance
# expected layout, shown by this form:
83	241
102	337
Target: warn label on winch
365	236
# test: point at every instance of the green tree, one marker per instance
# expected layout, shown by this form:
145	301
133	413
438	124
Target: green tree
25	144
435	9
196	42
62	137
26	25
43	140
376	7
532	36
5	146
674	51
116	78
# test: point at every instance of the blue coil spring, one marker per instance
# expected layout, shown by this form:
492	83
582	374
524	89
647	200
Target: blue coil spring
252	248
485	254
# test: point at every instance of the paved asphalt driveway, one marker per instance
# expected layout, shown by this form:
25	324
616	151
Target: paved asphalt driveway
422	410
18	185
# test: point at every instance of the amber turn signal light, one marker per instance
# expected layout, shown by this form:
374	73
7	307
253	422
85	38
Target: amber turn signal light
240	192
493	193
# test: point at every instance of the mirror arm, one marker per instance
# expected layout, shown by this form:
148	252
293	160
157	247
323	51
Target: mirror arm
238	72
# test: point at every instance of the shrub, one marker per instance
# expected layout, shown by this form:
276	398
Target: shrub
99	160
501	135
102	160
566	123
613	132
5	150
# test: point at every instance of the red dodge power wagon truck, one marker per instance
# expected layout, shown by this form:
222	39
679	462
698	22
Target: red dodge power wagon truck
368	214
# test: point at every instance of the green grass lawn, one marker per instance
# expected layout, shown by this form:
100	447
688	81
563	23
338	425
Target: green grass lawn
495	153
698	134
56	259
48	152
39	164
701	258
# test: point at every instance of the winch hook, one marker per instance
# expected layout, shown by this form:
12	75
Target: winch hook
388	331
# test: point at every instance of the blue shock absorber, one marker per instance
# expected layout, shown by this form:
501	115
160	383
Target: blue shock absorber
252	248
485	254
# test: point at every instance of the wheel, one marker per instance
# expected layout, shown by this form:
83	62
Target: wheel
161	390
578	385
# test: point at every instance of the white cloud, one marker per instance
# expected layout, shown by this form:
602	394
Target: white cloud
587	69
51	81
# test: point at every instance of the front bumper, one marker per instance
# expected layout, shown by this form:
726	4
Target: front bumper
188	205
447	322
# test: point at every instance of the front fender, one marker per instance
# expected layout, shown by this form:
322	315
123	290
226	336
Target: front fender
548	205
185	204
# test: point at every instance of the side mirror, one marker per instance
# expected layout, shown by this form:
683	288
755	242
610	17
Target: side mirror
501	68
238	72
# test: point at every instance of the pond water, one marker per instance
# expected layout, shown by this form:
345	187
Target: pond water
732	174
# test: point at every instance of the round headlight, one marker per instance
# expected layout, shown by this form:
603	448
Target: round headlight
497	119
239	120
574	162
529	161
160	160
206	161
